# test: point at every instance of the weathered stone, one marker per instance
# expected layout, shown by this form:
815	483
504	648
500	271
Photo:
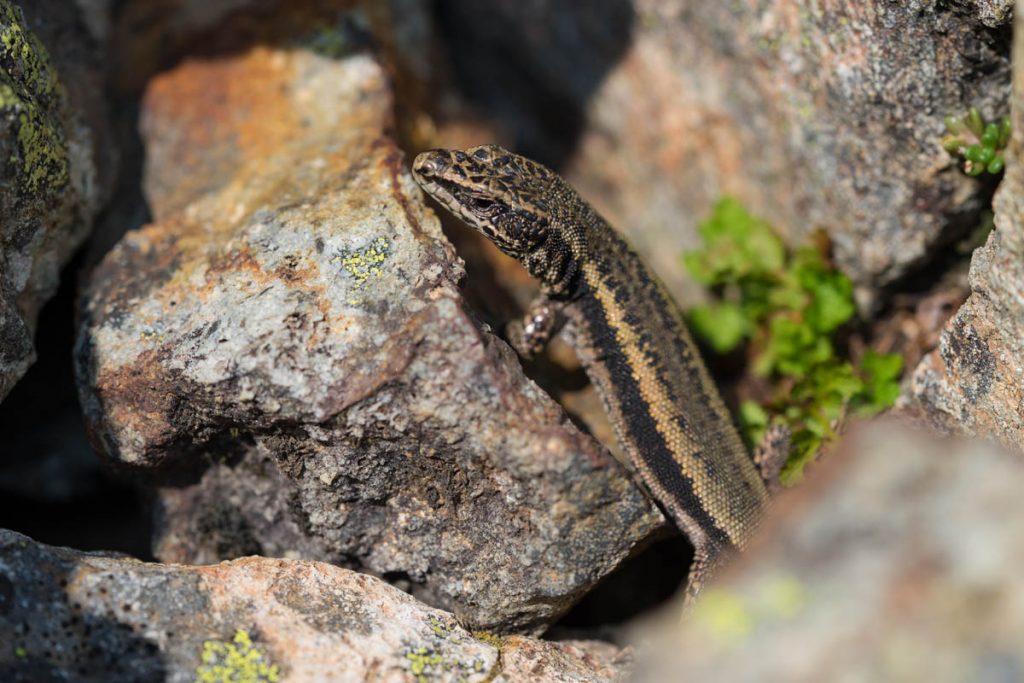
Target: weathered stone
897	560
815	115
67	615
292	321
974	381
56	166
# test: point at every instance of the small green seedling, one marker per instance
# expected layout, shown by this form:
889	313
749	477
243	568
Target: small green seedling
788	306
978	143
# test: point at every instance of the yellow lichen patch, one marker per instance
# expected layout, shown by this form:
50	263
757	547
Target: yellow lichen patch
422	661
784	597
364	263
724	615
29	89
238	661
440	657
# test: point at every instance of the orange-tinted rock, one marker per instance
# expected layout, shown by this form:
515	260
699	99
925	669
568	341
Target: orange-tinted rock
66	615
291	325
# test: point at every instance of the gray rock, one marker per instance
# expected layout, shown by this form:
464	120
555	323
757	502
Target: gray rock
56	165
67	615
292	323
897	560
815	115
974	381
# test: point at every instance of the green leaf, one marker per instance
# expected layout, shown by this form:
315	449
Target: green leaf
831	304
752	414
990	138
753	422
882	366
953	144
805	445
736	244
1005	131
882	382
974	122
722	325
996	165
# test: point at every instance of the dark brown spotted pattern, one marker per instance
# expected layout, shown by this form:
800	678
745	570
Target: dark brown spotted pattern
666	412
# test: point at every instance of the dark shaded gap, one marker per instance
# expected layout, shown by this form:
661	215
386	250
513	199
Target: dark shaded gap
53	487
534	65
640	584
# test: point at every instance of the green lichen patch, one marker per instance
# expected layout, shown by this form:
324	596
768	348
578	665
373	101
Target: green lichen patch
364	263
237	661
31	102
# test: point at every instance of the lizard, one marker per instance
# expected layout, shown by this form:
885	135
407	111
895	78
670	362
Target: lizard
664	408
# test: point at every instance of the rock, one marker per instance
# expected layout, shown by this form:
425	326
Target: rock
974	381
814	115
57	166
67	615
291	323
897	560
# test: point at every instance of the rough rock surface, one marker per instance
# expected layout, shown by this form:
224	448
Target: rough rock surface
815	114
67	615
898	560
292	322
55	163
974	381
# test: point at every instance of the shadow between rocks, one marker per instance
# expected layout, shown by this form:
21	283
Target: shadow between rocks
49	637
534	65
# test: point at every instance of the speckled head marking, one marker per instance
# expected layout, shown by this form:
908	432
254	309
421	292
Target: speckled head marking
515	202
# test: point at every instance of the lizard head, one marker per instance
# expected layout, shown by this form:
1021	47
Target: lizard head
503	195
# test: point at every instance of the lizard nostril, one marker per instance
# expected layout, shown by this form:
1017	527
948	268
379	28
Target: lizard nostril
430	163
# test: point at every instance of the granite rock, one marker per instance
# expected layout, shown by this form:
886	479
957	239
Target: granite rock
56	164
815	115
288	345
974	382
898	559
67	615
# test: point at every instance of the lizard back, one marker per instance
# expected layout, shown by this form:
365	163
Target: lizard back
665	409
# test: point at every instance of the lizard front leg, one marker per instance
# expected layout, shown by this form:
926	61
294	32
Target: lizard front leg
542	321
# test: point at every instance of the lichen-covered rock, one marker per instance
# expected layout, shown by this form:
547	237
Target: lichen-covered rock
67	615
815	114
55	164
974	381
897	560
292	324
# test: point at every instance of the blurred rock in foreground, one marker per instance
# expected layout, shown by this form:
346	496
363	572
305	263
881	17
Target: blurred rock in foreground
291	328
974	381
67	615
898	560
56	162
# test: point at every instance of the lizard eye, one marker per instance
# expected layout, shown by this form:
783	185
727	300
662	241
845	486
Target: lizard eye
483	206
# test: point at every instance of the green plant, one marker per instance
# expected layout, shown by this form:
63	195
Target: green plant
978	143
789	307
